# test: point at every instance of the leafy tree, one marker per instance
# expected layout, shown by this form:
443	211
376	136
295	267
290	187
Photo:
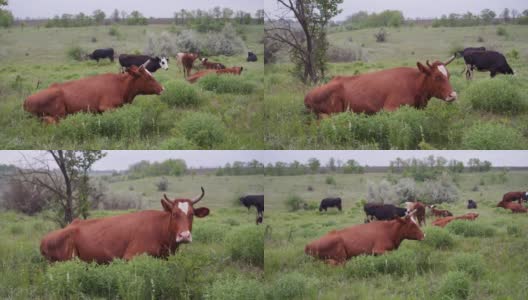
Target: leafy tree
314	164
259	15
99	16
487	15
115	16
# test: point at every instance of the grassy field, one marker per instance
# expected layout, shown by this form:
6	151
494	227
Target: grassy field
485	112
480	260
225	260
35	55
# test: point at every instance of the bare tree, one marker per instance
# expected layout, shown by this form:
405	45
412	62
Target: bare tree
69	185
306	36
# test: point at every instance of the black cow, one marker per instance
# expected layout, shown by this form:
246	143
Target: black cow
483	61
151	63
260	216
382	211
330	202
471	204
251	57
258	202
102	54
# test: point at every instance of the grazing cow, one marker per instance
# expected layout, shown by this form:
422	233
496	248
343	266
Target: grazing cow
251	57
382	211
187	61
337	246
442	222
515	196
151	63
233	70
382	90
419	217
97	93
260	216
486	61
253	200
471	204
467	68
439	212
156	233
102	54
330	202
212	65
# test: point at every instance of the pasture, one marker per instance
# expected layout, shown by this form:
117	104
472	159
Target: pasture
488	114
483	259
224	261
219	113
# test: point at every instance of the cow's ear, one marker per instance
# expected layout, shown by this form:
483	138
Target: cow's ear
201	212
423	68
133	70
167	206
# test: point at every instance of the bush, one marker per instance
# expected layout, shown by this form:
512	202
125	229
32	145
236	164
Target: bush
209	232
121	201
75	53
162	185
113	31
438	238
513	54
226	83
492	136
398	262
330	180
226	42
381	35
440	190
472	264
179	94
501	31
514	230
203	129
294	285
470	229
454	286
237	288
496	95
177	143
246	244
349	54
24	197
294	202
188	41
162	44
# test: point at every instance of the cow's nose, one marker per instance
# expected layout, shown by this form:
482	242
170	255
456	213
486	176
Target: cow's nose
184	237
452	96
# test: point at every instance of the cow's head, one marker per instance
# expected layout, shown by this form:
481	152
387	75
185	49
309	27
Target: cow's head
145	83
182	213
163	62
437	80
204	60
409	229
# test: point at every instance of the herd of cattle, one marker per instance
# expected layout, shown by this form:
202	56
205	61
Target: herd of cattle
103	92
389	89
393	225
152	232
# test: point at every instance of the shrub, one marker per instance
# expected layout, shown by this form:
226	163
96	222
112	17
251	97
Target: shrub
93	39
115	201
501	31
294	202
440	190
226	83
237	288
113	31
470	229
209	232
438	238
496	95
64	280
177	143
75	53
226	42
513	54
203	129
492	136
294	285
188	41
398	262
454	286
162	185
348	54
24	197
246	244
381	35
330	180
179	94
363	266
470	263
514	230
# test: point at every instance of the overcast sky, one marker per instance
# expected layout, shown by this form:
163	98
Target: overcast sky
149	8
420	8
121	160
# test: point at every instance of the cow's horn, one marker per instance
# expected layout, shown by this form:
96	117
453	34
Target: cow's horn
198	198
412	212
428	64
166	198
145	64
449	60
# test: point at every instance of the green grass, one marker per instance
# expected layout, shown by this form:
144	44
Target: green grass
439	126
226	255
479	265
239	109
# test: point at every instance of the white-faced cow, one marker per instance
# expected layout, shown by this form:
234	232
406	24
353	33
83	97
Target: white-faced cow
151	63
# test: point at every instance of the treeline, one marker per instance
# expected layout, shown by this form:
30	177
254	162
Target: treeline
170	167
386	18
6	17
431	167
313	166
240	168
97	18
214	19
486	17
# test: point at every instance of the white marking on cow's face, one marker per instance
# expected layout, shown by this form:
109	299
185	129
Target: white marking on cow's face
184	207
442	70
164	64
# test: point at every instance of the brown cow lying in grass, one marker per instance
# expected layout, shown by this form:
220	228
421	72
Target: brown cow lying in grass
212	65
442	222
513	206
439	212
97	93
337	246
233	70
